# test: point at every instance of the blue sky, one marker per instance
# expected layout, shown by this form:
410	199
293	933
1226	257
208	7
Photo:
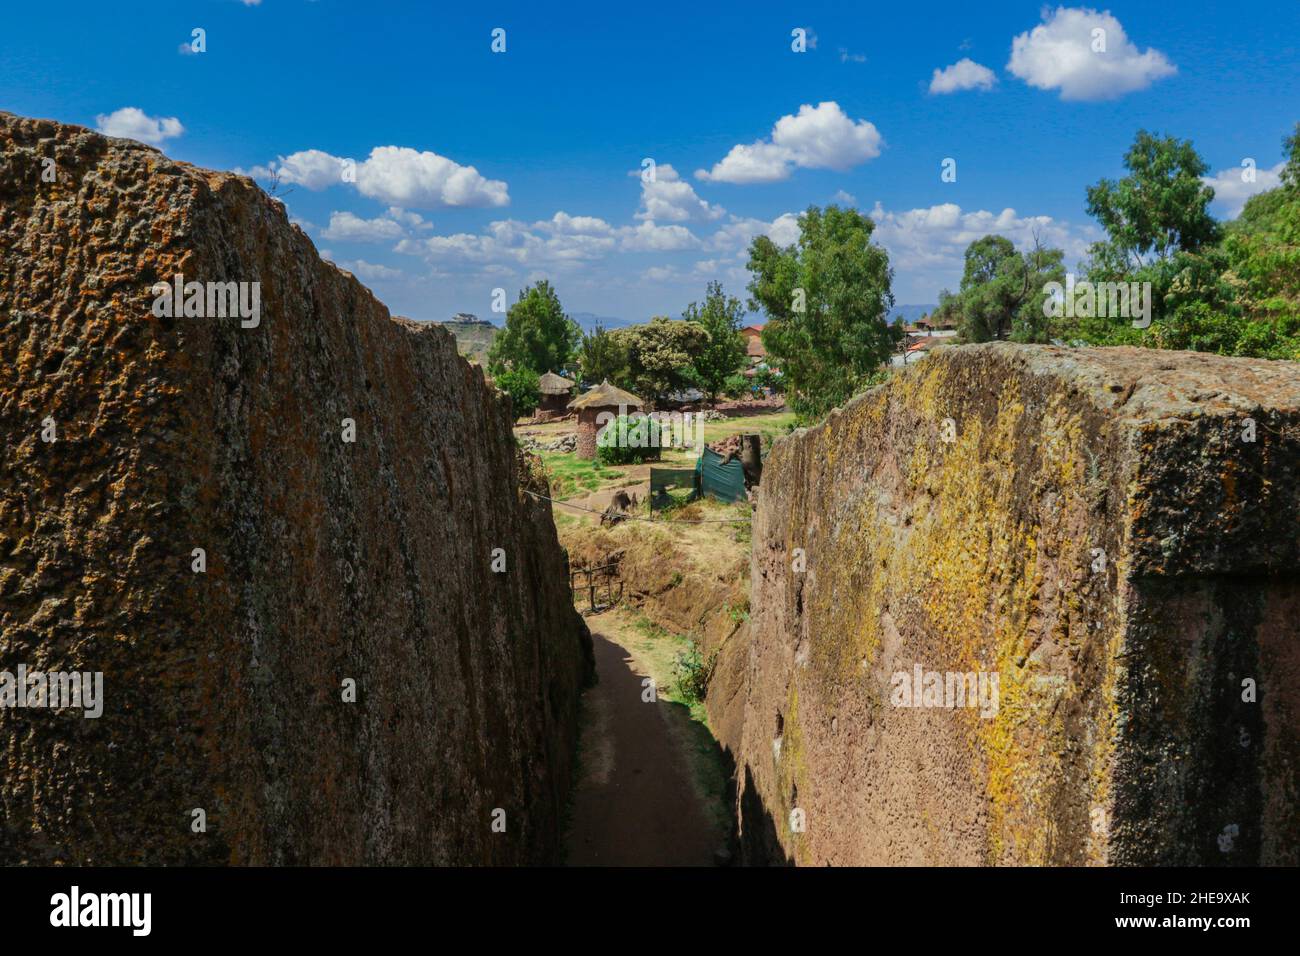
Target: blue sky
474	170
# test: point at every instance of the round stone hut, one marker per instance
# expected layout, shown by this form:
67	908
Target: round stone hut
603	398
556	391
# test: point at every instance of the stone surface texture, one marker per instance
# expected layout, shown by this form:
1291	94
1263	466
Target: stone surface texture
1097	533
326	560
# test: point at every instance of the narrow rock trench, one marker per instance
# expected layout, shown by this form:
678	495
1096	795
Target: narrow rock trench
648	793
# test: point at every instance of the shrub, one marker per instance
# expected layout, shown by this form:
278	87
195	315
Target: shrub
736	385
628	440
766	378
521	384
692	673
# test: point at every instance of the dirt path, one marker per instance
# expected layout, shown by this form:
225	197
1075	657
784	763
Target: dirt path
635	804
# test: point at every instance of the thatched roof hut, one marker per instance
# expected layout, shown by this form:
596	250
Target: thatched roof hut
552	384
603	398
555	390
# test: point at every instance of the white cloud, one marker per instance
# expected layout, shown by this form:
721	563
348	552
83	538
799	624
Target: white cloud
1231	191
564	224
848	199
1086	55
558	241
965	74
820	137
412	220
847	57
132	123
398	175
312	169
927	246
424	180
372	271
347	227
649	237
669	197
738	233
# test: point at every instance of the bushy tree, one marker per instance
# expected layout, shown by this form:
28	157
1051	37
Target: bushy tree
521	384
603	356
1237	296
538	334
725	354
1159	208
661	356
827	298
1002	291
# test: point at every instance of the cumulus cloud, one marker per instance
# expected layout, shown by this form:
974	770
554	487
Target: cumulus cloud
558	241
564	224
347	227
820	137
927	246
133	123
965	74
393	174
372	271
650	237
312	169
1086	55
425	180
670	198
737	234
1231	189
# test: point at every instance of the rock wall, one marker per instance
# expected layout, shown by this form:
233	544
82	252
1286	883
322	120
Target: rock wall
1094	528
327	560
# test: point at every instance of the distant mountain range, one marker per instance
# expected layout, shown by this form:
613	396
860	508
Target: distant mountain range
589	320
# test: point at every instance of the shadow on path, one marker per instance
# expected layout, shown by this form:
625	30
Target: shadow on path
635	804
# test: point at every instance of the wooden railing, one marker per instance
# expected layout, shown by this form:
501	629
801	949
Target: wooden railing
606	575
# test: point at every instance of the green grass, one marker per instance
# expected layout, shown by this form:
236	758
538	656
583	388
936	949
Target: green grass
570	475
662	653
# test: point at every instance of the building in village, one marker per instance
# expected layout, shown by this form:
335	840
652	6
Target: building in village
556	391
603	398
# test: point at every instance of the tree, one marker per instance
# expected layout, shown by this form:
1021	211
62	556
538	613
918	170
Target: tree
522	386
661	355
1237	296
602	356
725	353
827	298
538	335
1002	290
1160	208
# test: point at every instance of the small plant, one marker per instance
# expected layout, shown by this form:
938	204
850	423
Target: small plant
738	613
692	673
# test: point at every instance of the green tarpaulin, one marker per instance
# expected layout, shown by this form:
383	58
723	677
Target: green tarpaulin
663	479
725	482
